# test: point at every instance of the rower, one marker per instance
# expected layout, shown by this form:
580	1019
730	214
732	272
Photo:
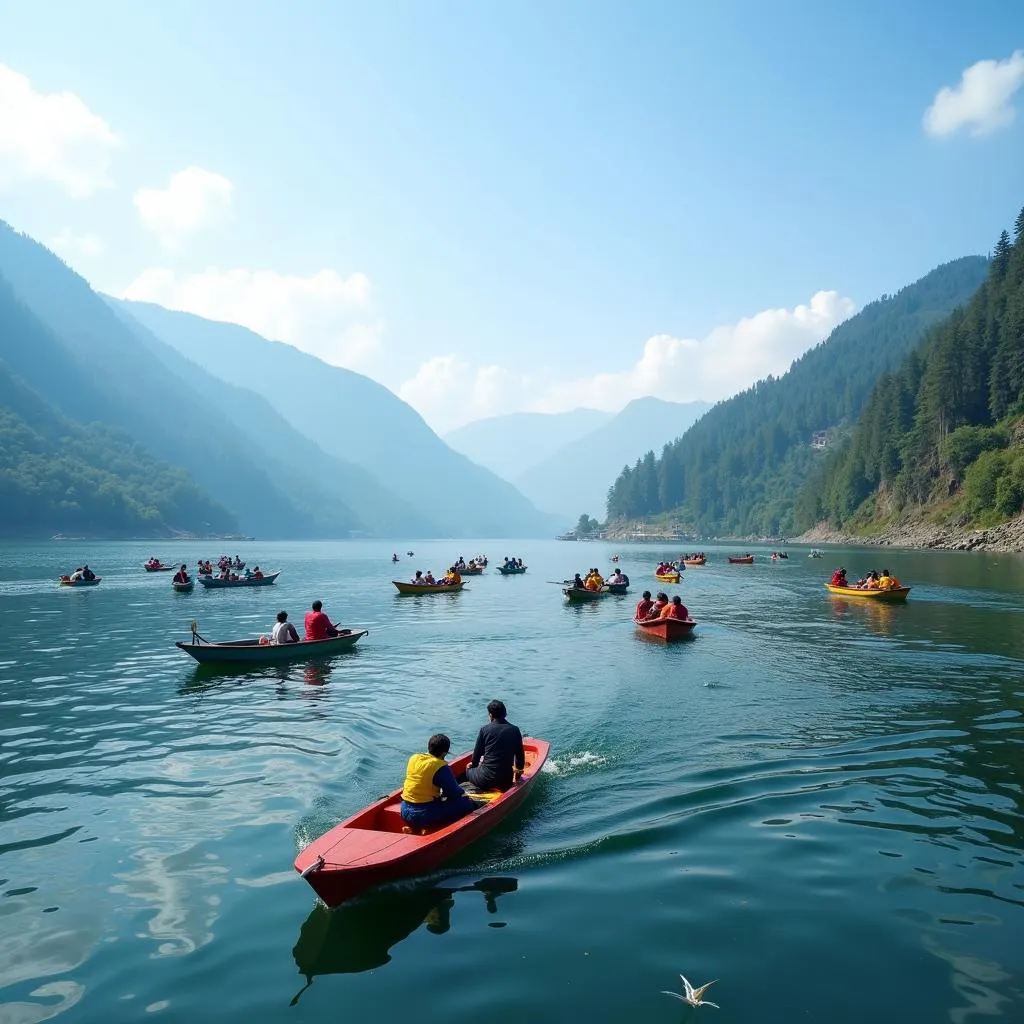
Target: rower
318	625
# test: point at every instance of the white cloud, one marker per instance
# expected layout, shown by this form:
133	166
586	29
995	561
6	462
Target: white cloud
448	391
981	102
52	136
87	244
194	199
325	314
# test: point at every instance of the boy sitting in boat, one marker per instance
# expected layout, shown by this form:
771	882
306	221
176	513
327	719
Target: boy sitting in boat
181	576
283	632
430	795
498	757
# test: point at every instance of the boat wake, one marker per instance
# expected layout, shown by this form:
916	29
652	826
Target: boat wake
571	764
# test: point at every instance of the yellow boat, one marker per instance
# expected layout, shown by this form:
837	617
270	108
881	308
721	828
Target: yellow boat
427	588
892	594
667	577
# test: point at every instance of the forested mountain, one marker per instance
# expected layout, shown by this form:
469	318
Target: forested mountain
358	418
61	476
575	478
946	422
739	469
88	365
510	445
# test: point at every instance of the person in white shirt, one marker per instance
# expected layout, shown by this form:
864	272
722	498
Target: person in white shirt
617	577
284	632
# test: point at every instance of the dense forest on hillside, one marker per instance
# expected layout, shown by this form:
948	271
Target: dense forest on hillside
945	422
740	467
58	476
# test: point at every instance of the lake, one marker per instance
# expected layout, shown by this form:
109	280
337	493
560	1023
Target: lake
816	801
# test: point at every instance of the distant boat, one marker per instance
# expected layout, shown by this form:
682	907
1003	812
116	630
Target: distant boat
159	567
567	536
744	560
427	588
67	582
215	583
512	570
815	554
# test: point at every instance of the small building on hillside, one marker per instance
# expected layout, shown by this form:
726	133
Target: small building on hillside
819	440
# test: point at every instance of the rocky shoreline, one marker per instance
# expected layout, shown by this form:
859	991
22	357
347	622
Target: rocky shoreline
1007	537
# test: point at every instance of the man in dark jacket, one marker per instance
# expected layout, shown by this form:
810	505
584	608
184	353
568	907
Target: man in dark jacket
498	757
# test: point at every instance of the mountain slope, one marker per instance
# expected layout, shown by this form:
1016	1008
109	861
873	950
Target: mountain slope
338	496
96	369
739	469
947	423
510	445
377	430
576	478
60	476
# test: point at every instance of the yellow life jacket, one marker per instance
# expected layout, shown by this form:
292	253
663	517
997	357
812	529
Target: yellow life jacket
419	785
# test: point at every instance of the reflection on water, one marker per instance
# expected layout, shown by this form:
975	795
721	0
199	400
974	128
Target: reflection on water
359	936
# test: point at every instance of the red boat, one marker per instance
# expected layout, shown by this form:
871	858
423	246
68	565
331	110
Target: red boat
372	847
745	560
667	629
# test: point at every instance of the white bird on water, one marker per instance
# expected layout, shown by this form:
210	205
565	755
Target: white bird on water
692	995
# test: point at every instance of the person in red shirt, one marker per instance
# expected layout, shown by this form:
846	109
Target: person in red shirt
318	625
660	604
643	607
675	610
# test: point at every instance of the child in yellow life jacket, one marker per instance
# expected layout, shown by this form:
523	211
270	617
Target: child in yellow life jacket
431	795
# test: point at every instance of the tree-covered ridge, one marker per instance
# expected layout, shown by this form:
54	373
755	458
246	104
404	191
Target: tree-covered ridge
740	468
59	476
943	422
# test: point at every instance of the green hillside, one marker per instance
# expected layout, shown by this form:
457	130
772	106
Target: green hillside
739	469
60	476
943	429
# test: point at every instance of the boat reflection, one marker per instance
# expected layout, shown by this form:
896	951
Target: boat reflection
876	615
359	936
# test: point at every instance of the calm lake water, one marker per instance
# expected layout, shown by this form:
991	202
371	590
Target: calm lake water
817	802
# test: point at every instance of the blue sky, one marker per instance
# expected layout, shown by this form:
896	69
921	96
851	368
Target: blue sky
497	206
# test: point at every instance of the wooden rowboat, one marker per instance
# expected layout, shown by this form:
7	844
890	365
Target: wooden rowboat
694	561
81	583
745	560
184	588
617	588
477	571
214	583
893	594
576	595
372	847
160	568
667	577
427	588
252	652
512	571
666	629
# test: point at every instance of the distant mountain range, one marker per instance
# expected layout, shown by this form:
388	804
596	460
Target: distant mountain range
118	419
565	462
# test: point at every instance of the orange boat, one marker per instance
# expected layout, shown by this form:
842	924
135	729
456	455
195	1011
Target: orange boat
372	847
745	560
694	561
667	629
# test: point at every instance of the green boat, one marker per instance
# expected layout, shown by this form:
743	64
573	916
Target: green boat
578	596
253	652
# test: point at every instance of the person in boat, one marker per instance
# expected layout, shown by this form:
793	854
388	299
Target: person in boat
839	579
284	632
225	573
617	578
318	625
428	578
643	607
181	576
76	575
257	573
394	558
595	581
431	795
578	583
87	573
238	562
675	609
451	577
872	581
660	604
418	578
498	756
887	581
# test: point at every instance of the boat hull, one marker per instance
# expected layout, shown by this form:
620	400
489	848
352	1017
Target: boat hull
471	572
427	588
184	588
212	583
749	560
81	583
666	629
511	572
891	596
577	596
370	848
694	561
252	652
667	577
159	568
